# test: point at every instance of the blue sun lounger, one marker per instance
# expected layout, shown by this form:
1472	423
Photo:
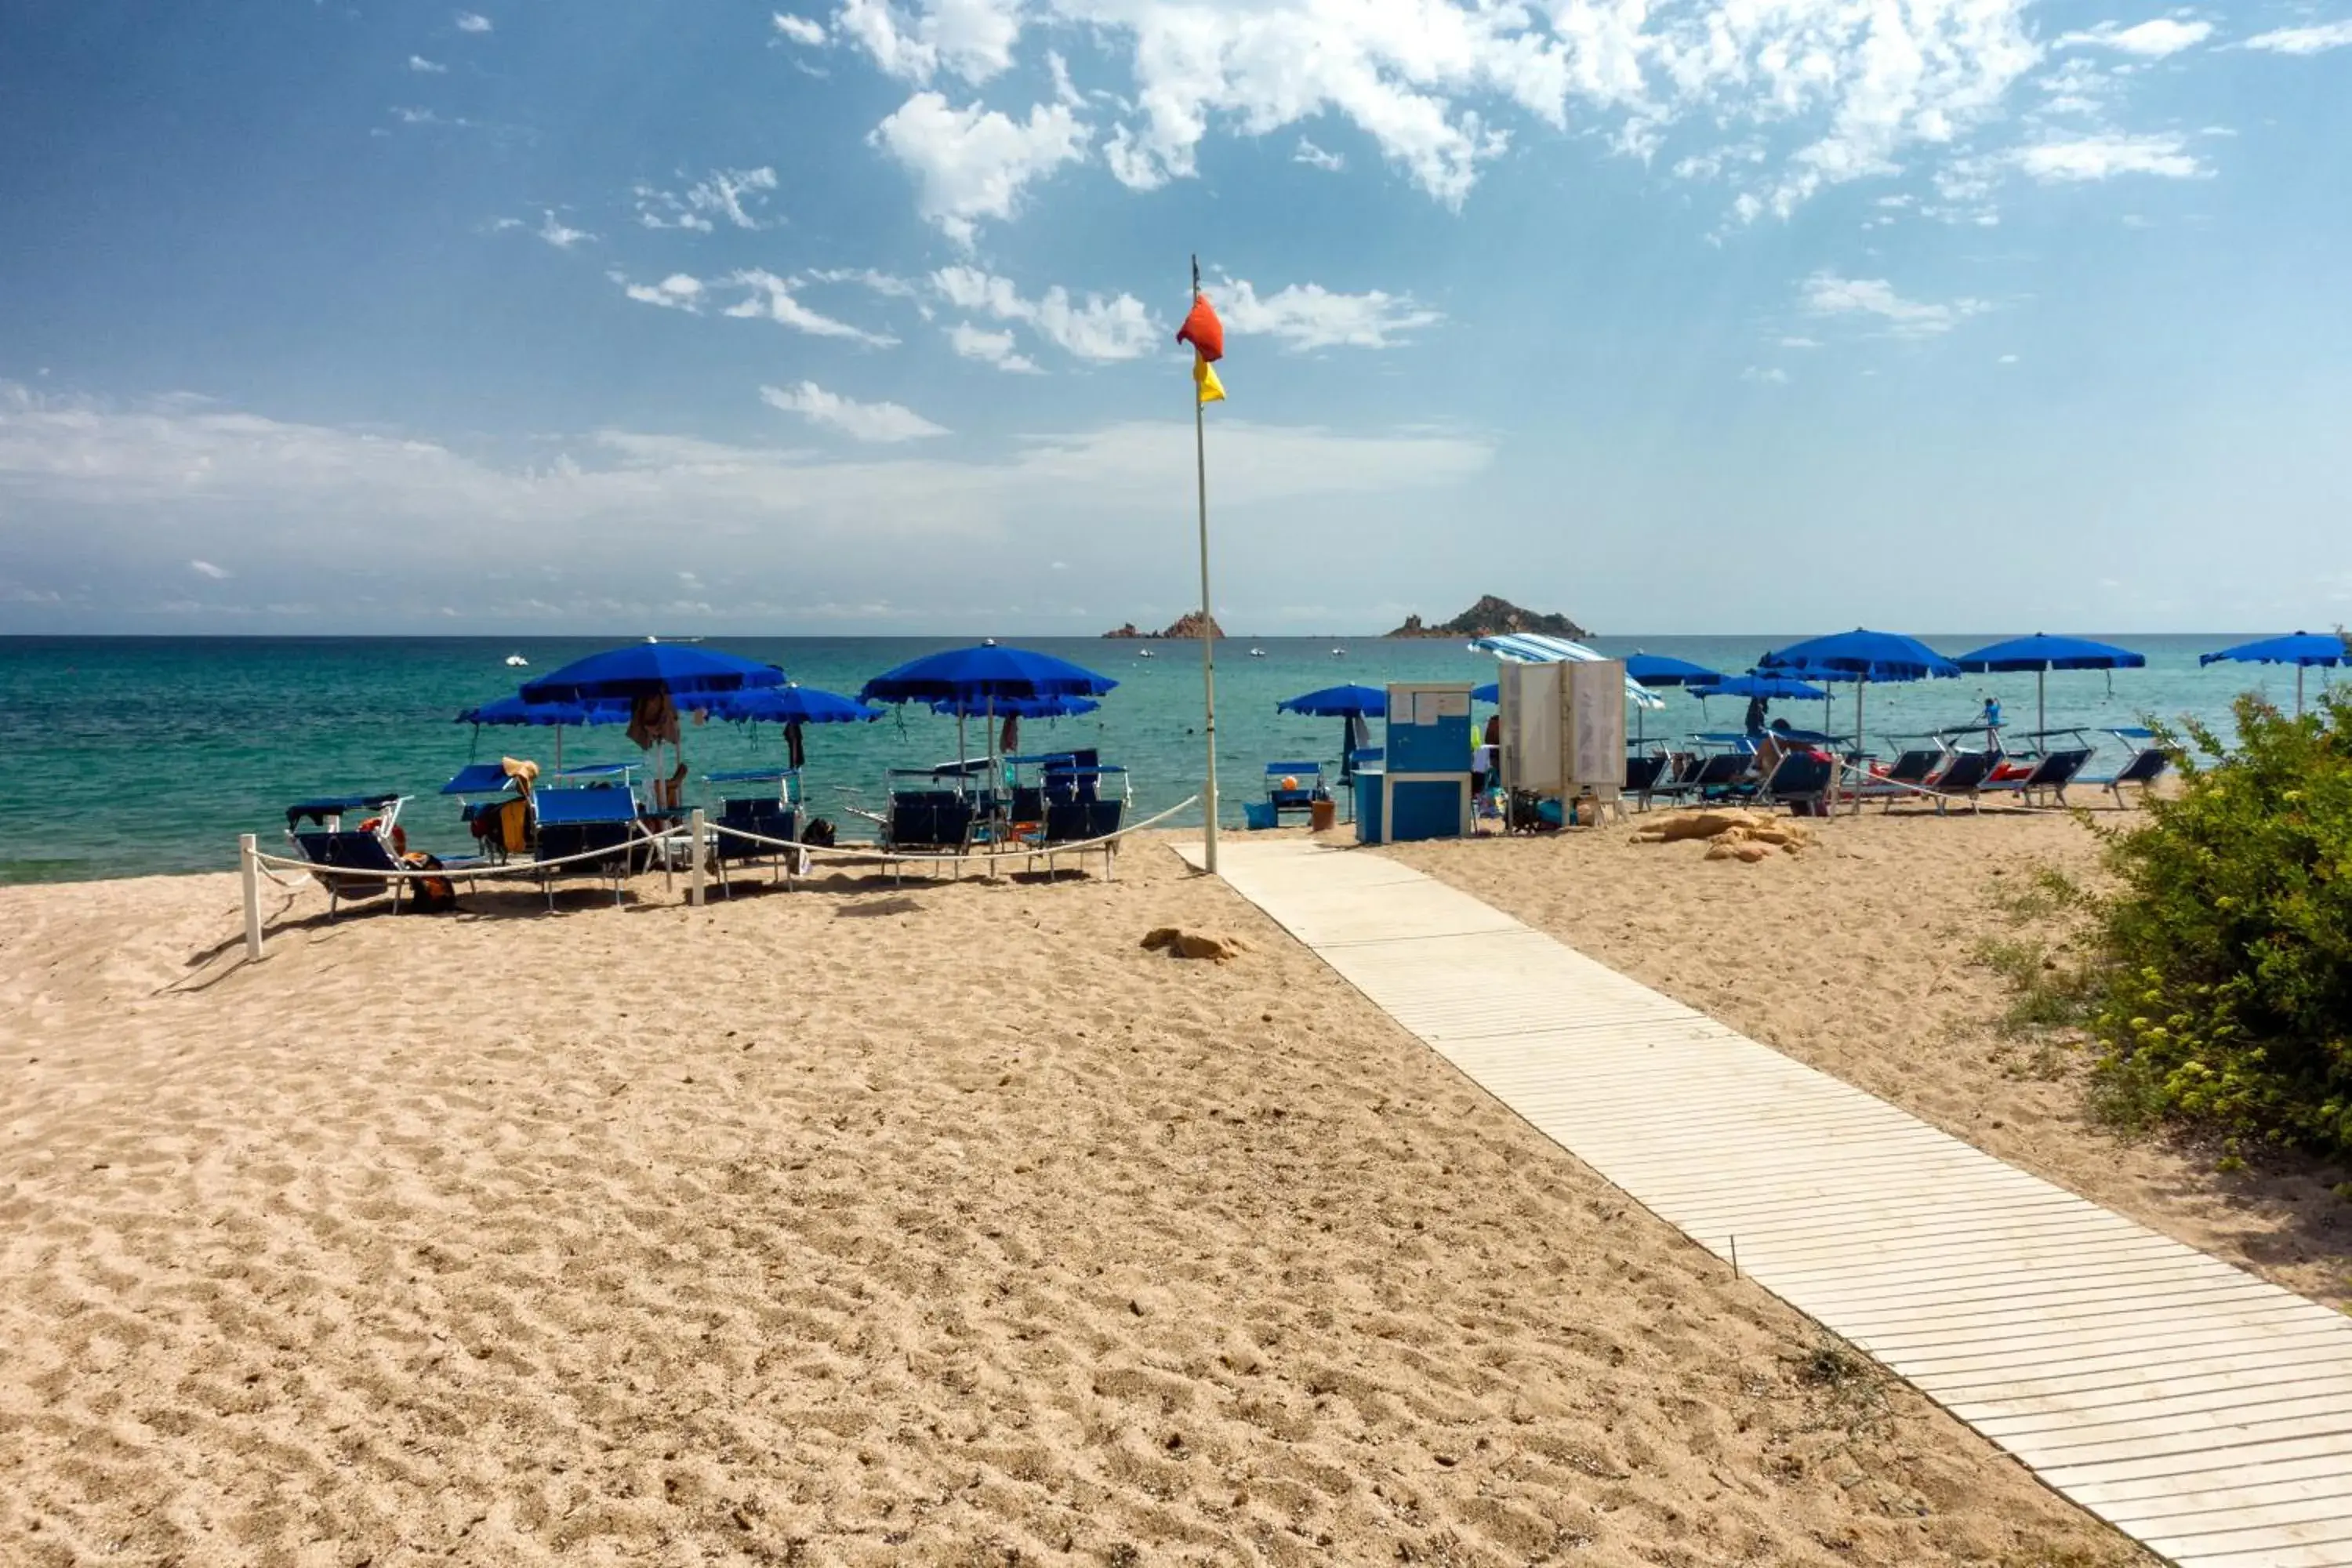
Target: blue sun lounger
330	847
2053	771
570	822
2148	763
1300	795
772	813
1959	779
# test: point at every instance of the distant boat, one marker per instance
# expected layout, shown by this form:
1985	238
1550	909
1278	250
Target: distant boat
1144	653
651	638
988	642
516	661
1338	653
1258	653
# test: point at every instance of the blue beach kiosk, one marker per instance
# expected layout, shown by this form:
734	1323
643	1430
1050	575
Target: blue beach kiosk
1422	787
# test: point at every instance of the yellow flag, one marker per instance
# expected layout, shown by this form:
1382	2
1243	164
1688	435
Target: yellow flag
1205	376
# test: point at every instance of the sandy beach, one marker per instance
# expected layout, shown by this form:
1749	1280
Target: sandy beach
946	1224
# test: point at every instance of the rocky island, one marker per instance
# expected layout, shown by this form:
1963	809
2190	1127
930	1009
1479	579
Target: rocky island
1187	624
1491	617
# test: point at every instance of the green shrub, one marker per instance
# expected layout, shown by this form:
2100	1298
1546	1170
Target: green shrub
2222	987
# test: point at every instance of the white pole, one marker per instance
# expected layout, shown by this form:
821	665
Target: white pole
694	849
2041	702
249	868
1208	639
2298	691
1860	751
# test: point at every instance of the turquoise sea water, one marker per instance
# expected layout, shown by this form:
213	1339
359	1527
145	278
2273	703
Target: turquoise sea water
141	754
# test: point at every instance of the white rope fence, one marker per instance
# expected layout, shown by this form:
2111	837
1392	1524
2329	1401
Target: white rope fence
254	862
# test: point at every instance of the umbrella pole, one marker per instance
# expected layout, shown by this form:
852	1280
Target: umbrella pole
2298	692
2042	702
558	752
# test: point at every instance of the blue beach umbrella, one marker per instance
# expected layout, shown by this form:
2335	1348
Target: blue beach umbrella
643	671
2300	650
514	710
1339	702
981	673
790	705
1490	693
1771	687
1352	703
982	680
1659	669
1862	657
649	669
2042	653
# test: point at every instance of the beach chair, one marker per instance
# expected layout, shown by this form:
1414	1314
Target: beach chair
2148	763
1645	774
928	820
329	846
769	814
2051	773
1800	779
500	820
600	823
1306	789
1960	779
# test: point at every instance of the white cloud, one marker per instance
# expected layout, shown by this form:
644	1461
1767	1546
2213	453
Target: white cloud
1065	90
675	292
1099	328
991	348
2105	156
728	196
472	22
1773	377
2311	40
86	482
770	298
206	569
1799	344
1826	294
1431	82
885	422
800	29
2150	41
428	67
1314	157
971	38
2007	358
881	283
972	163
1308	316
556	234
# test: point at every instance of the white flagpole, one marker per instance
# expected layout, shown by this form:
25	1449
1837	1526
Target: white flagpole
1208	622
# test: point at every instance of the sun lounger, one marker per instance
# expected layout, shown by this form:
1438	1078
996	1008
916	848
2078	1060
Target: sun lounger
1799	779
1079	822
1644	775
569	822
2051	773
928	820
1301	793
2147	765
1960	779
773	813
330	847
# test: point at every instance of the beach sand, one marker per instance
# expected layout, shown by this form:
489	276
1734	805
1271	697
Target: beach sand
1859	957
871	1227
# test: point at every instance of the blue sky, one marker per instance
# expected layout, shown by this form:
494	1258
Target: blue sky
831	318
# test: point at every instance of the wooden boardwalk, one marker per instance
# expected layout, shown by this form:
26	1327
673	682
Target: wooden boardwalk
2201	1411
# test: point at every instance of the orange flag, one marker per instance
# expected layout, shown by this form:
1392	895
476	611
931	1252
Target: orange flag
1203	331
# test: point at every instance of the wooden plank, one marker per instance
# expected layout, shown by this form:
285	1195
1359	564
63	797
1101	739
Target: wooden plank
2202	1410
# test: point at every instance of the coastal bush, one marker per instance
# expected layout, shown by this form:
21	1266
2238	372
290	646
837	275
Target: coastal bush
2220	979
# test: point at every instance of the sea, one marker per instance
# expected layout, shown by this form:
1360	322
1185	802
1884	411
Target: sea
133	756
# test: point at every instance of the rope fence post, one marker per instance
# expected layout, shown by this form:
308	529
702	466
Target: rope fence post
248	867
694	841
